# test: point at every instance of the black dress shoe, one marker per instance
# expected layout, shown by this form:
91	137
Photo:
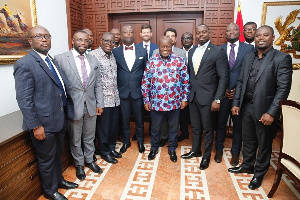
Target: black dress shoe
115	154
162	142
235	160
94	158
141	148
125	147
110	159
241	169
204	163
191	155
152	154
94	167
134	137
67	185
55	196
80	174
255	183
173	156
182	137
218	156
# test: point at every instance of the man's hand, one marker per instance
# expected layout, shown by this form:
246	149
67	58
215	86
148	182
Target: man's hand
215	106
235	110
39	133
229	93
147	106
99	111
266	119
184	104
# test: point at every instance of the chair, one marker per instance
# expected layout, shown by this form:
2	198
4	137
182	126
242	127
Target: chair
289	155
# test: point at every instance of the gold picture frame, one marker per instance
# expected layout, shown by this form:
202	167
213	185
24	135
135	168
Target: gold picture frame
16	19
284	10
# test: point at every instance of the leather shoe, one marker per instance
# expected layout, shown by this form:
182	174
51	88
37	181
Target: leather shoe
255	183
218	156
94	158
134	137
125	147
67	185
141	148
241	169
80	174
235	160
55	196
95	168
162	142
173	156
204	163
152	154
191	155
115	154
110	159
182	137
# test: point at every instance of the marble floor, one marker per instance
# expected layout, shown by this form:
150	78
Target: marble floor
134	177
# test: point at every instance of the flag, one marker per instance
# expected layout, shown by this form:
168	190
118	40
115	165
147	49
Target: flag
239	22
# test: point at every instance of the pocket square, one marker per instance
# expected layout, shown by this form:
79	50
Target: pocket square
140	58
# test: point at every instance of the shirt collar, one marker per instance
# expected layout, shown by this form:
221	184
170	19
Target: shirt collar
132	45
144	43
42	55
237	43
76	54
264	54
205	45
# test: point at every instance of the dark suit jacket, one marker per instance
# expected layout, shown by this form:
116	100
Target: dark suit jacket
273	82
38	94
236	70
130	81
211	80
152	47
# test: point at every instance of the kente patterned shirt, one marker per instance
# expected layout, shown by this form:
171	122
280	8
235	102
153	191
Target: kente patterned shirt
108	71
165	83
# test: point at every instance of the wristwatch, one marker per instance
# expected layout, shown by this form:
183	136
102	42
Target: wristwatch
217	100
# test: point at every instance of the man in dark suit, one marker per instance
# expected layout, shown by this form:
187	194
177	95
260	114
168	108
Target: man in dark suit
41	94
146	34
131	62
235	51
265	80
208	69
81	70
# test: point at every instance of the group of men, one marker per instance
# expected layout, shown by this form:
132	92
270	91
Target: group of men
88	91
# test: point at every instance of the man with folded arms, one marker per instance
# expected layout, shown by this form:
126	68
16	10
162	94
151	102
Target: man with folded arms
165	88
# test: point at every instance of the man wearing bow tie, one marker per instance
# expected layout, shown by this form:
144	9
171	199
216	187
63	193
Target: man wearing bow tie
208	69
131	62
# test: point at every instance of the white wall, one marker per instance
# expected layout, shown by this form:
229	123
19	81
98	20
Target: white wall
52	15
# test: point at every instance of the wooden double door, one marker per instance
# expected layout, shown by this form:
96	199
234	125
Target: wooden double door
182	22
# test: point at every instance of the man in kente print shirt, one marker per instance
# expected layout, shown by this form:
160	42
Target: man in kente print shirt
165	88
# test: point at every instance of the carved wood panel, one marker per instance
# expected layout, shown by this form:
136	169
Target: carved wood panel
97	14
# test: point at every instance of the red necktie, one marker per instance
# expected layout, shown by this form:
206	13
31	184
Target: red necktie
128	48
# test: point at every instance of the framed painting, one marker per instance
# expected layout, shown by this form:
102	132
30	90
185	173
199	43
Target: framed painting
16	19
284	17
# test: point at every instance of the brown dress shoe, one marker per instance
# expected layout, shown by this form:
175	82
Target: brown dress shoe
235	160
218	156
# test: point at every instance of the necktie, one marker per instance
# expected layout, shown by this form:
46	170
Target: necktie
128	48
83	71
146	47
231	56
198	59
57	80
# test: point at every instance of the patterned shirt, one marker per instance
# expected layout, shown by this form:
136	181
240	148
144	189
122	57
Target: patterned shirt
108	71
165	83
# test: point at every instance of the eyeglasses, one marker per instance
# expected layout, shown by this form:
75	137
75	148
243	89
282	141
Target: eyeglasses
41	37
82	40
186	38
108	41
249	29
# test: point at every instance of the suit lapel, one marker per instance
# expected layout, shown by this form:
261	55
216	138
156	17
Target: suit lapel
190	63
71	61
239	54
206	53
122	59
265	63
92	72
137	55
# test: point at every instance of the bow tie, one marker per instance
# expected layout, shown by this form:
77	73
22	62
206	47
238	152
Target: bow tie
128	48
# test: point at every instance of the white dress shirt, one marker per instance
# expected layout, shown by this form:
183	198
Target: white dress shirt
78	63
198	50
236	48
129	56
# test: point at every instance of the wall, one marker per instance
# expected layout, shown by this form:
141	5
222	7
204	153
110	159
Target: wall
52	15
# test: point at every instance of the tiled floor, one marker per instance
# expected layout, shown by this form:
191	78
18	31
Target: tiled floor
134	177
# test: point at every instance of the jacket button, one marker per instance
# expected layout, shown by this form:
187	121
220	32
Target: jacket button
62	108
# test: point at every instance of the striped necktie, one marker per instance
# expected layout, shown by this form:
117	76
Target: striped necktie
231	56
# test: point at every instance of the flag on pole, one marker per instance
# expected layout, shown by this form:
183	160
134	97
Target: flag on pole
239	22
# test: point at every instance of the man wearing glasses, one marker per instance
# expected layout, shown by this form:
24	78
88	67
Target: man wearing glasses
41	89
249	32
107	123
81	70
